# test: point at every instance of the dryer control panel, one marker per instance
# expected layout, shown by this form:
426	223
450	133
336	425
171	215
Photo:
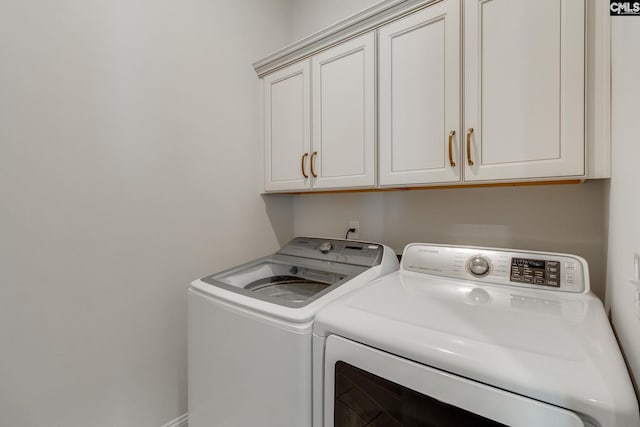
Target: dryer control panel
536	271
539	270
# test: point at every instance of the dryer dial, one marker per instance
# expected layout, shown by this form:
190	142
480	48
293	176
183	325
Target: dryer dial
478	265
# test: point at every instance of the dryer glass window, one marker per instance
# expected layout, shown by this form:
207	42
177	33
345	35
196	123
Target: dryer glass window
363	399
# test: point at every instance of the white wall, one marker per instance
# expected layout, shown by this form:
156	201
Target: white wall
129	165
558	218
624	203
309	16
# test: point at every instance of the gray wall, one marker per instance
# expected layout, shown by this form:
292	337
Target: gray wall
624	204
129	166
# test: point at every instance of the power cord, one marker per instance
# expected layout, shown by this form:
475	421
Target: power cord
349	231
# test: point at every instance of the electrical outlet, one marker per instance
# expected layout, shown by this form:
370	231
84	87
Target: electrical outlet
354	224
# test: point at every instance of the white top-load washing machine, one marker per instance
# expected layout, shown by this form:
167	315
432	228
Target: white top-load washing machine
250	330
467	336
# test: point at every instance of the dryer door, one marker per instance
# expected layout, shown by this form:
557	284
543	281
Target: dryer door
367	387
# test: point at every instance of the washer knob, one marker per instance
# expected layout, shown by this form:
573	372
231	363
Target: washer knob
478	266
325	247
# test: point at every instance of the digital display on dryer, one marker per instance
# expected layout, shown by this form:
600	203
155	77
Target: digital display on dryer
535	272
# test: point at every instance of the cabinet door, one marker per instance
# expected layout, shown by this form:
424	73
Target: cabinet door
287	105
344	114
419	90
524	89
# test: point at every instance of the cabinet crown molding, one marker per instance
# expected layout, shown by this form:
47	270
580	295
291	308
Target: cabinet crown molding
356	24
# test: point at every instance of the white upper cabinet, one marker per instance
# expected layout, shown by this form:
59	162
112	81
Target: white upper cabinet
344	115
468	92
287	128
341	151
419	97
524	89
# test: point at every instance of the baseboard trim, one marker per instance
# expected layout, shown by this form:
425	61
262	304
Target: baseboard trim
181	421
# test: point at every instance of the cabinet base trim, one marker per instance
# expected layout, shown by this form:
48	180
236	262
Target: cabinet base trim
440	187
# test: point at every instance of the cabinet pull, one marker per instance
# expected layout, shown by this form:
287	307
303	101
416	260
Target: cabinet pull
304	156
469	132
313	172
451	135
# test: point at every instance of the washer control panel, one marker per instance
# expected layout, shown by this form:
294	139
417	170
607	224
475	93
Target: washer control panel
539	270
343	251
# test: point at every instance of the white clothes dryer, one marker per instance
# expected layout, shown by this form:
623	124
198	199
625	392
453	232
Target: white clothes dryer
250	330
468	336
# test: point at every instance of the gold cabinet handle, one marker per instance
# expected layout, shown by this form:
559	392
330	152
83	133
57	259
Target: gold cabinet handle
304	157
451	135
313	171
469	132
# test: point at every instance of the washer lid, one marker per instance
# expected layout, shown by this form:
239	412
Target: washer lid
555	347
